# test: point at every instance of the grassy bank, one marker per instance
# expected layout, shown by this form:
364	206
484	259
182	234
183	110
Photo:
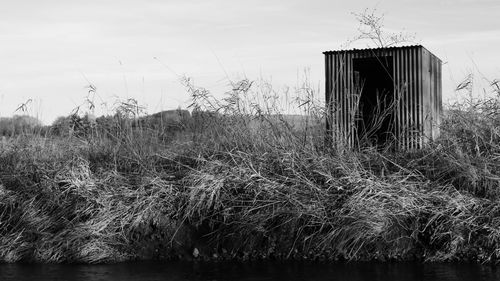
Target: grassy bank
243	182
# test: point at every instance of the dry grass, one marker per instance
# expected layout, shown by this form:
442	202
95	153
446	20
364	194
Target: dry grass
241	181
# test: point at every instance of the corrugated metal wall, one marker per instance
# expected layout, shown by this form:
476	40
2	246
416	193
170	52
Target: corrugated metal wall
416	74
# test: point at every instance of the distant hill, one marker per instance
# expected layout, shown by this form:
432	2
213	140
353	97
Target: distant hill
176	115
167	119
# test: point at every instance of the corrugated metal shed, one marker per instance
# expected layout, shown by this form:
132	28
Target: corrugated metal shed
383	95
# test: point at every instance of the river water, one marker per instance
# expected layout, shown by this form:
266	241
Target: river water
289	271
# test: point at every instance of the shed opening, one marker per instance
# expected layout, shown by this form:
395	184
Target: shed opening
374	120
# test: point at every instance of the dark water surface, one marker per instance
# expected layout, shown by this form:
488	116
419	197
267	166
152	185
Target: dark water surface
250	271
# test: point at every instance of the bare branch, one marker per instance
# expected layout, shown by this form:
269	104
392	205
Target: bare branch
371	28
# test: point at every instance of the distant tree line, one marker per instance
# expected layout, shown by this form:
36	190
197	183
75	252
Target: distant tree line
80	125
166	122
20	124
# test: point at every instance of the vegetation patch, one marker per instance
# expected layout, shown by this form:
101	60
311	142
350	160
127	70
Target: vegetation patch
235	179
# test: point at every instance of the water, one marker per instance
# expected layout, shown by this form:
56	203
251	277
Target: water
145	271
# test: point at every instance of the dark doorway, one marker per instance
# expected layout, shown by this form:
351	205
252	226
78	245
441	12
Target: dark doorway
374	118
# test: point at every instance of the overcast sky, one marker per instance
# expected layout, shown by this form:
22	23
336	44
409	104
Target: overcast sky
51	50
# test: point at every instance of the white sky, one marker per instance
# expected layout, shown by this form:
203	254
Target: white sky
49	48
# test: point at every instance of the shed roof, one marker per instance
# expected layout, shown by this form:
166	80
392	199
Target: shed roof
354	50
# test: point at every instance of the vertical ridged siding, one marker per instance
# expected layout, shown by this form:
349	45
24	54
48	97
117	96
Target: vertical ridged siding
417	95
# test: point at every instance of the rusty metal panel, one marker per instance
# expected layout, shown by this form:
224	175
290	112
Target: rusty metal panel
426	93
439	97
333	77
352	101
343	95
433	85
328	100
397	108
413	101
404	81
402	90
343	98
336	98
437	102
339	98
418	104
